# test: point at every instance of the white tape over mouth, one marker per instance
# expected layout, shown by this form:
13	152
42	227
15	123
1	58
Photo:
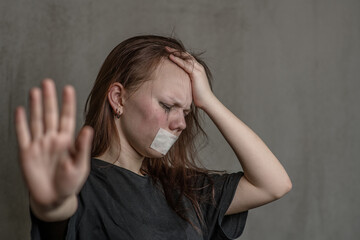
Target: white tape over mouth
163	141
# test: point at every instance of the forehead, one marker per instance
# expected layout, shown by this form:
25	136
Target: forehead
169	80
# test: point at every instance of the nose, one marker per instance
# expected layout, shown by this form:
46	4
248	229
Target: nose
178	122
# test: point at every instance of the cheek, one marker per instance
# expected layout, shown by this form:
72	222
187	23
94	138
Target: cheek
152	117
157	117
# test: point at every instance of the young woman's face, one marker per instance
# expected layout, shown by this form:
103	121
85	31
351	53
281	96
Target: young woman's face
162	102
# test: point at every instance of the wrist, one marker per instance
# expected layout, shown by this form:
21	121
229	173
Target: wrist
52	213
210	102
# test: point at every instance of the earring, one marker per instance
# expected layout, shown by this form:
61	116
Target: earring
118	113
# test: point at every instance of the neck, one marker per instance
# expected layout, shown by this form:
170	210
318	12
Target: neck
125	158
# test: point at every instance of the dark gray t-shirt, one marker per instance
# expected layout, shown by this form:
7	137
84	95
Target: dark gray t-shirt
116	203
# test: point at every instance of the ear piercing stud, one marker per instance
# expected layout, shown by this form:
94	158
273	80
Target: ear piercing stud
118	113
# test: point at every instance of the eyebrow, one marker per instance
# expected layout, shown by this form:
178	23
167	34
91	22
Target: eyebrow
177	104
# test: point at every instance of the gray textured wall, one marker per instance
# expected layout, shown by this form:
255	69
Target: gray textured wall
289	69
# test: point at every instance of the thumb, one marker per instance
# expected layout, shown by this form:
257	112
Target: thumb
83	147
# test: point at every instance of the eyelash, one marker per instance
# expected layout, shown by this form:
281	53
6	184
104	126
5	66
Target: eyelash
168	108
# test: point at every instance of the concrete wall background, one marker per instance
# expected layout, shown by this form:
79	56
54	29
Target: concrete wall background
289	69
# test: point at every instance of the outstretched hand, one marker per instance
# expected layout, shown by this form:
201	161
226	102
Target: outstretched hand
53	165
199	82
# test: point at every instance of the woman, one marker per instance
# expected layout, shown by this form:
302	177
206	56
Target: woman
144	183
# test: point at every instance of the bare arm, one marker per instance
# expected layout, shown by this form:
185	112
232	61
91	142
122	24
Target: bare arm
265	179
53	166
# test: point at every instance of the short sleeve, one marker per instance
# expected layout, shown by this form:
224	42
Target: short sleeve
61	230
41	230
219	225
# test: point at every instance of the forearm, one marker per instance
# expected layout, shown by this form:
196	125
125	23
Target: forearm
60	212
261	167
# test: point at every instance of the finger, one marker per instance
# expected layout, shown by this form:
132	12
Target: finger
50	110
170	49
83	147
67	118
178	53
36	120
21	128
187	65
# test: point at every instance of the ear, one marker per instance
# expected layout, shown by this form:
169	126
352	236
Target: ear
116	97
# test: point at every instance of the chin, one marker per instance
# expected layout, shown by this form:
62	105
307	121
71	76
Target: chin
151	153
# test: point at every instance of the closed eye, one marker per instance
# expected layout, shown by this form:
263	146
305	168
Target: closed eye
166	107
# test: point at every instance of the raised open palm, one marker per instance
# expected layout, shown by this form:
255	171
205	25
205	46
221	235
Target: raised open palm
53	165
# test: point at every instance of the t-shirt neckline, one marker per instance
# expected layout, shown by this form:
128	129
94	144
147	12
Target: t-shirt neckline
103	163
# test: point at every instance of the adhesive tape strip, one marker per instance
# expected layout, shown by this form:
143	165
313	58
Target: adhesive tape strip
163	141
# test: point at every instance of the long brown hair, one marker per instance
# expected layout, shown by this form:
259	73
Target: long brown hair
131	63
